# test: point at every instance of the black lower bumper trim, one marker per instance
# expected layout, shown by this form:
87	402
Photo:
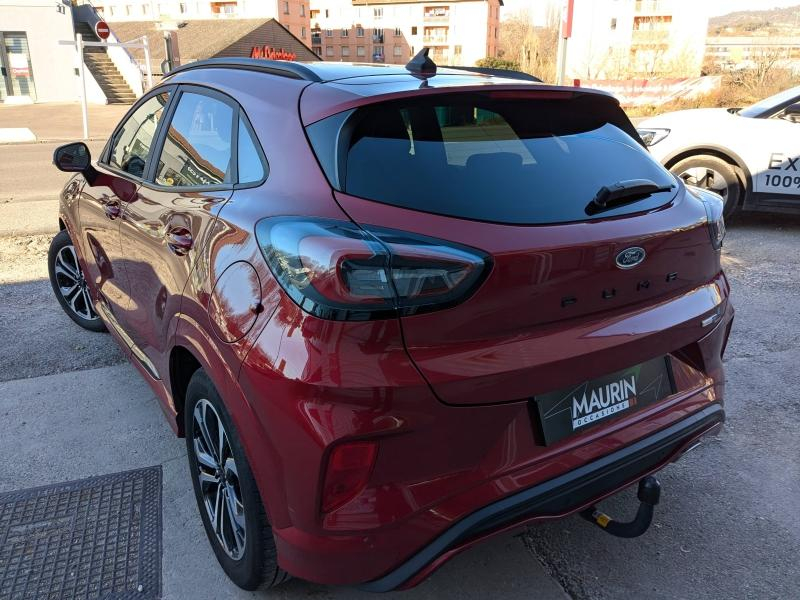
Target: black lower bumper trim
562	494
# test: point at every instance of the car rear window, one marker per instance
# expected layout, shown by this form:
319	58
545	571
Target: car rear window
504	157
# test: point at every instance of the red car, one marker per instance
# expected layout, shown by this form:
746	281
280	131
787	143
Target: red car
396	310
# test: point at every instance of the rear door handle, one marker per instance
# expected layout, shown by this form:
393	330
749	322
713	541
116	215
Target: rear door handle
179	240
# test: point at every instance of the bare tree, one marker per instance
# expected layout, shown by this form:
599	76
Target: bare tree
532	48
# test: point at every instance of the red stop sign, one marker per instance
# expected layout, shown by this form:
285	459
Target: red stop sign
102	30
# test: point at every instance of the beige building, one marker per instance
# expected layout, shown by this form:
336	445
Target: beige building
618	39
292	14
458	32
749	52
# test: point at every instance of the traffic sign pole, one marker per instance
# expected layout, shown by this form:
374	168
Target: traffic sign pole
82	73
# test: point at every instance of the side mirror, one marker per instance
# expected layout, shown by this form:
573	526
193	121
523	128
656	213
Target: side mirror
72	158
792	112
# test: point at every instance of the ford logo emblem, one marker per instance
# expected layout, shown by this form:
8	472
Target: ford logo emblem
630	257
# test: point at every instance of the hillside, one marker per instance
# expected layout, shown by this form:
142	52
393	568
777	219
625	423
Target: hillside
776	19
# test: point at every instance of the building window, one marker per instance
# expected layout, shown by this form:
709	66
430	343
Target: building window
436	12
286	8
221	8
128	10
327	13
359	32
329	33
182	7
145	8
318	51
345	32
397	32
111	11
457	49
360	51
345	50
328	50
398	51
377	53
414	30
303	32
495	33
377	36
377	13
613	23
302	10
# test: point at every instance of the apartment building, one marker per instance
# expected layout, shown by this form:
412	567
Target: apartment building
458	32
617	39
737	52
292	14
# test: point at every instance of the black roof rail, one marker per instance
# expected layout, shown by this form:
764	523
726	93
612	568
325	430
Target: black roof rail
282	68
508	74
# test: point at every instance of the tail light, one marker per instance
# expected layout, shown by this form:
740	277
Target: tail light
349	467
338	270
715	208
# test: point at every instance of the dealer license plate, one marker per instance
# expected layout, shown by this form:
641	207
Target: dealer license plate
571	410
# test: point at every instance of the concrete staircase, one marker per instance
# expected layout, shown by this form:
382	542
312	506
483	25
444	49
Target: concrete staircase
108	77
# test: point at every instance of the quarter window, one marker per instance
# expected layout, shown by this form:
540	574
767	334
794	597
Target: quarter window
131	145
197	148
251	169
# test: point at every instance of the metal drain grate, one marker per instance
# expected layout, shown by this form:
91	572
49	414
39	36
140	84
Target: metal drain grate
94	538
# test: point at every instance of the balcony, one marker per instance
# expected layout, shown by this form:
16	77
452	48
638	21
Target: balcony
647	37
653	7
435	40
433	18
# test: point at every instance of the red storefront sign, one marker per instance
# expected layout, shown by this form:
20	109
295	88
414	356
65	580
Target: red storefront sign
271	53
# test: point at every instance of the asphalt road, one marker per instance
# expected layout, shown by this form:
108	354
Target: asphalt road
29	187
726	527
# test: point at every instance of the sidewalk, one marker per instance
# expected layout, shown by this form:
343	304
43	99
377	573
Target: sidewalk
57	121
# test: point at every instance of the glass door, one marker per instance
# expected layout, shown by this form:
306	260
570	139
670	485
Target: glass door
16	66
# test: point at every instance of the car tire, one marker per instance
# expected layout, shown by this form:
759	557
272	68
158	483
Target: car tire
245	548
69	285
714	174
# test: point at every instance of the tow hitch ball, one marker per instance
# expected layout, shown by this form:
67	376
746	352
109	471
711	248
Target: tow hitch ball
649	494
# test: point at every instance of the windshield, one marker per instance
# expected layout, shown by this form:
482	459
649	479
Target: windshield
770	105
488	156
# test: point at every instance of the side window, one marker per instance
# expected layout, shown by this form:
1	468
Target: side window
132	143
197	148
251	169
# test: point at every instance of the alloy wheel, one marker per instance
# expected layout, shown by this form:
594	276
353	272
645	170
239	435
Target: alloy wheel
219	479
706	178
72	284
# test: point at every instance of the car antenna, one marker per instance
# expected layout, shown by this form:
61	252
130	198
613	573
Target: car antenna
421	63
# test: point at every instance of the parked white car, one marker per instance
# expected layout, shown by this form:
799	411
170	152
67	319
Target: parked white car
750	156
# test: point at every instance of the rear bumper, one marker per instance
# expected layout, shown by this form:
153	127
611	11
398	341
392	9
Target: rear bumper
565	494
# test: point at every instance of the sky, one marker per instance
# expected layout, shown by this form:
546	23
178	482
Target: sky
538	8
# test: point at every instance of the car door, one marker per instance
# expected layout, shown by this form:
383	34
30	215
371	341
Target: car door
119	173
163	231
774	160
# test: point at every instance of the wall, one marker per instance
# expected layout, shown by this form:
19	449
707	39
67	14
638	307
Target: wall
52	65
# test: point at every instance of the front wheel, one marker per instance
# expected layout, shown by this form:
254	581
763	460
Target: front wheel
230	505
713	174
69	284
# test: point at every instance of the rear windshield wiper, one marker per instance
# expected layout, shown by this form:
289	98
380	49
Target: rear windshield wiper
624	192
